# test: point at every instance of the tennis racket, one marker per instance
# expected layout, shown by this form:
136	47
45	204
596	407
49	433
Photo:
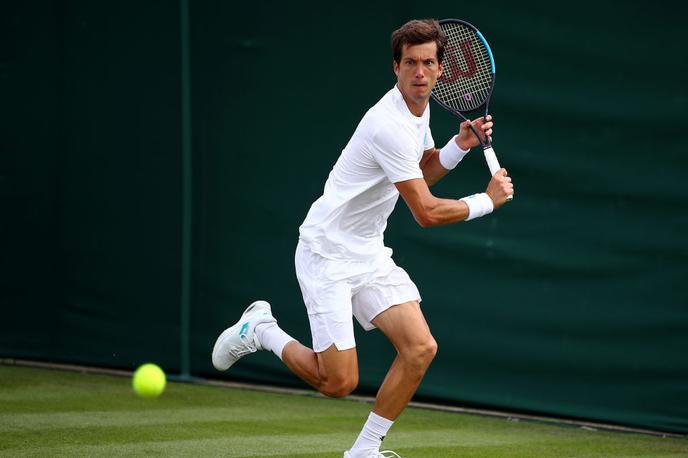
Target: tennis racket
467	79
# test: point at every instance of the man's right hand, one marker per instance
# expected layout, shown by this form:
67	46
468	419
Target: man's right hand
499	188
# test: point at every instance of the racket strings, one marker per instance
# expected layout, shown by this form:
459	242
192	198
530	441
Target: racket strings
467	76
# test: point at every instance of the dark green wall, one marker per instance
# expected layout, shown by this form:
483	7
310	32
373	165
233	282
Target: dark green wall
90	180
571	301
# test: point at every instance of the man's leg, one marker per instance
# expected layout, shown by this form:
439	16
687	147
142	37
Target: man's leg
405	326
332	372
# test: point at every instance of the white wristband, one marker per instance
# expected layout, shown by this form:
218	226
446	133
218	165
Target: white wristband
451	154
478	205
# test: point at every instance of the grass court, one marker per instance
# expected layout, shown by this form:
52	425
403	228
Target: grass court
49	413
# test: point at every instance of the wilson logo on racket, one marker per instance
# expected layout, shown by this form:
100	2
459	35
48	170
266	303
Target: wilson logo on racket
452	64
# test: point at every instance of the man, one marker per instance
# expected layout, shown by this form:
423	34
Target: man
342	265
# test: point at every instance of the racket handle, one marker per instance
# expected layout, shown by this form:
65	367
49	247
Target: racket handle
493	164
492	161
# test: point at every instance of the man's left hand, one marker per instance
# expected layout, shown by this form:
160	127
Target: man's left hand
467	139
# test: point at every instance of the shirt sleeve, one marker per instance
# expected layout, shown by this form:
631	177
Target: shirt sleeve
395	153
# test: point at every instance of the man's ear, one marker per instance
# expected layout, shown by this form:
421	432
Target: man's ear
441	70
395	66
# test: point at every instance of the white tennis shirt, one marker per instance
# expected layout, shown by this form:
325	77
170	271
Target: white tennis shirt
348	221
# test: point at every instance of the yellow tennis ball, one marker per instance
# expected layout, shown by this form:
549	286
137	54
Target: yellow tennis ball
149	381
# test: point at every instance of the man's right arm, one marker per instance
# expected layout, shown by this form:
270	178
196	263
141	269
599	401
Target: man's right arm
430	211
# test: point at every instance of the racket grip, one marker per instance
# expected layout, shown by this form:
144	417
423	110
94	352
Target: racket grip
492	161
493	164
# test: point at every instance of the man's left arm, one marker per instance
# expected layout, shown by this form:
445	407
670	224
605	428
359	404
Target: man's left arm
436	163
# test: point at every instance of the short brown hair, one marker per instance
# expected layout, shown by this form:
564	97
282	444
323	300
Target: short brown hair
416	32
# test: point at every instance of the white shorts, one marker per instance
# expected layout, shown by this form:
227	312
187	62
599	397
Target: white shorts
333	291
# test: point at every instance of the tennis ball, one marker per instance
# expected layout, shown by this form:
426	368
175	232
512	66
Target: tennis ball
149	381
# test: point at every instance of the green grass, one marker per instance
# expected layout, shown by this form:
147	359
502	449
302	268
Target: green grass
53	413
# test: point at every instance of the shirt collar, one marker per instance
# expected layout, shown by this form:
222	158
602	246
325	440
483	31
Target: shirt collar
399	100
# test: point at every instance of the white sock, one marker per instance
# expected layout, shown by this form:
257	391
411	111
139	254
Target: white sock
272	338
374	430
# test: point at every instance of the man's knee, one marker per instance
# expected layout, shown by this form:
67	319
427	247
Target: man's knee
338	372
339	387
421	353
427	350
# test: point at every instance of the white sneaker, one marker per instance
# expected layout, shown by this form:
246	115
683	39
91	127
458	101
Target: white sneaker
241	339
376	454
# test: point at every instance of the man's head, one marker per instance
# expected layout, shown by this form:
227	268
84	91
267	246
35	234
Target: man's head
416	32
418	48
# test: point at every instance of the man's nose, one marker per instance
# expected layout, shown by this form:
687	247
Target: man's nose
419	71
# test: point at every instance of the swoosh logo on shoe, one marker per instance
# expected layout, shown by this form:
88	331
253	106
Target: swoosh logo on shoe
244	329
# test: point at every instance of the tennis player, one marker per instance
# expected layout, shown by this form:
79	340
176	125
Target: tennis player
342	264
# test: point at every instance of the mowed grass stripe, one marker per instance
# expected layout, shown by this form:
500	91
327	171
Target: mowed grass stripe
439	443
136	418
264	445
28	390
176	431
148	426
243	441
523	451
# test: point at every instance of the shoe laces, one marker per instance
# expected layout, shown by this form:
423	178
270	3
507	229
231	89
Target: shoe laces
246	347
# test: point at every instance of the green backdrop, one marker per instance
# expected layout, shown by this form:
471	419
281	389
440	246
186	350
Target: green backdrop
571	301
